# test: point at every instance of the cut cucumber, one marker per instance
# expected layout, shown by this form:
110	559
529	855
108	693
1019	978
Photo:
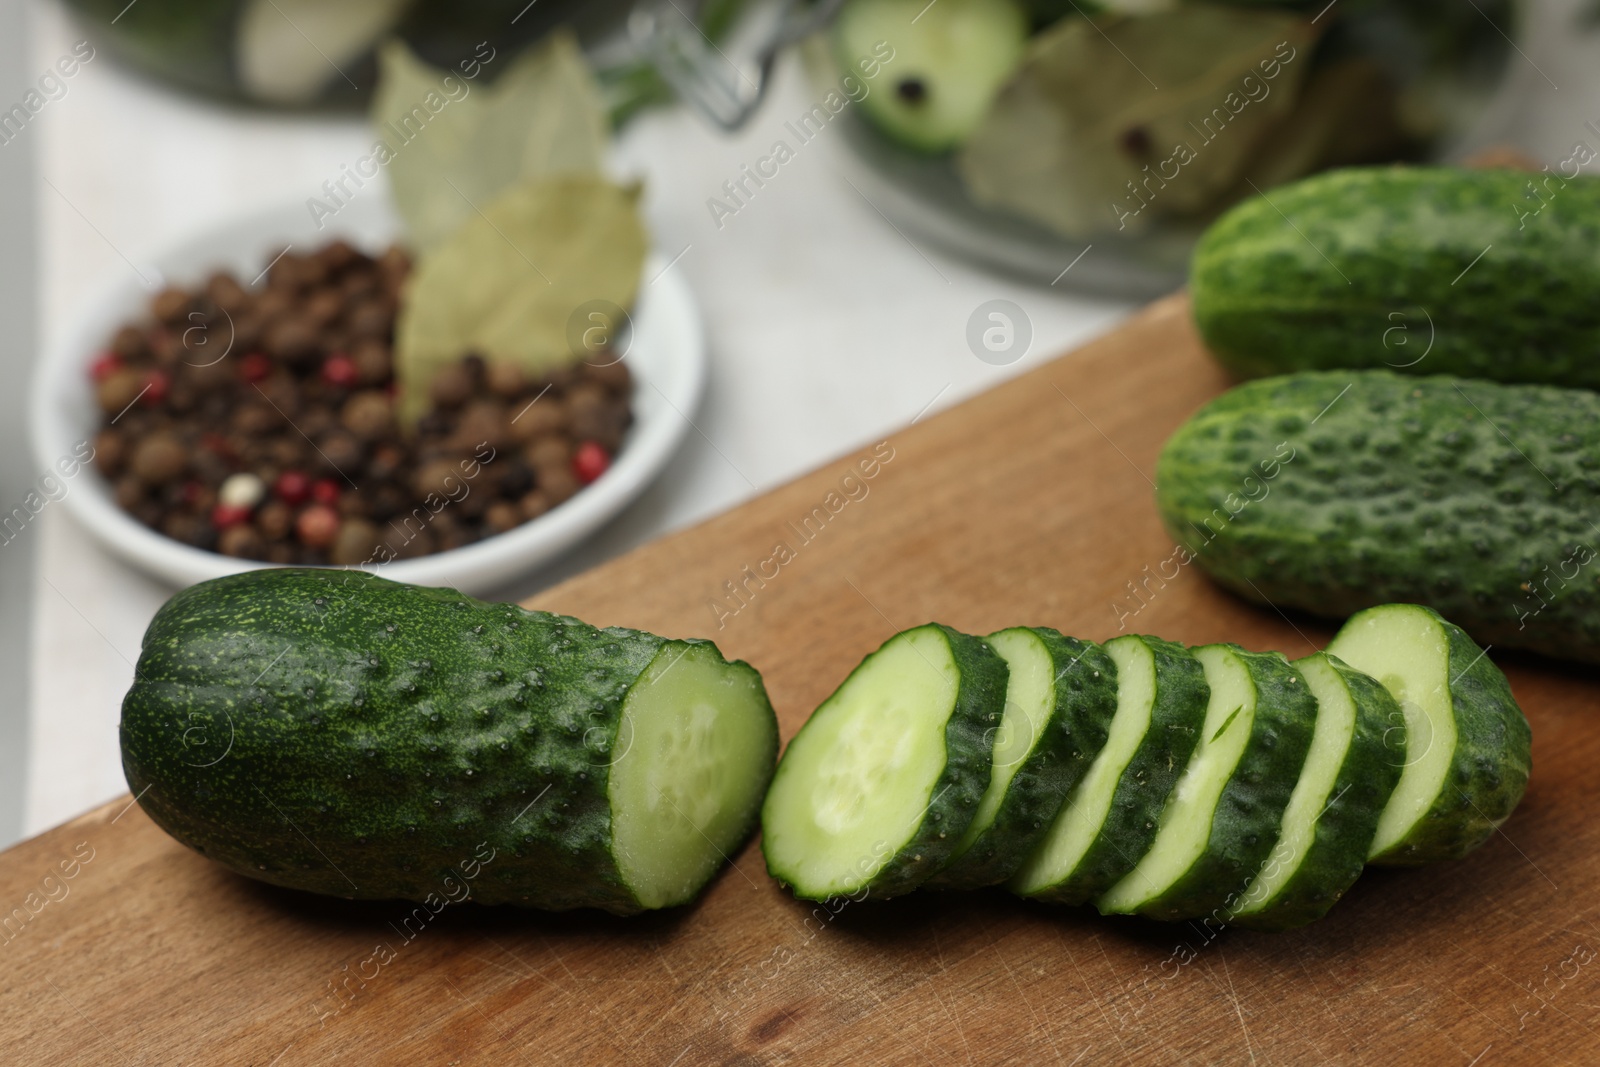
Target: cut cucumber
1060	697
1467	743
875	790
1110	819
1333	813
1221	821
943	63
332	731
690	764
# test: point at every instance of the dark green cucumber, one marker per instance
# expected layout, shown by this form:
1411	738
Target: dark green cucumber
1221	822
1467	742
336	732
875	790
1350	772
1060	696
1427	270
1110	819
1336	491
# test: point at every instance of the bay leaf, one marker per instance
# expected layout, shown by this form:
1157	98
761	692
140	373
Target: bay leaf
508	281
1112	122
455	142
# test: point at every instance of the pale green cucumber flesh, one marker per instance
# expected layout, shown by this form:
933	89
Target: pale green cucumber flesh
1409	652
1467	743
1355	759
1062	695
690	762
1081	817
1030	700
1111	818
1186	820
1330	743
939	65
876	788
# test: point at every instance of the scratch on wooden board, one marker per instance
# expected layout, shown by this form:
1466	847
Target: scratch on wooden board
532	972
934	989
504	1036
1526	989
662	956
1237	1007
1095	1000
1475	1008
1023	993
1342	1024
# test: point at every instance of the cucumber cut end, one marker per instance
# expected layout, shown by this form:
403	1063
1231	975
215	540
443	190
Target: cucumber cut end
856	782
1406	648
1186	820
694	751
1330	742
1030	698
1084	812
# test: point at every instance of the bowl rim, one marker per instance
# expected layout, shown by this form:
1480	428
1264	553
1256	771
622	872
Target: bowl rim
666	328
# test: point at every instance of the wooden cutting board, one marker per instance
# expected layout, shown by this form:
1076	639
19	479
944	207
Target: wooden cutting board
1029	504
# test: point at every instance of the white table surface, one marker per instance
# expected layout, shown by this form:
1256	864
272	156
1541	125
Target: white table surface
826	329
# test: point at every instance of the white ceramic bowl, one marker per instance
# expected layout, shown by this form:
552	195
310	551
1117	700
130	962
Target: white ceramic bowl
667	357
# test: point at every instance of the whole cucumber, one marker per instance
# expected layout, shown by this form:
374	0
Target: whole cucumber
335	732
1421	270
1335	491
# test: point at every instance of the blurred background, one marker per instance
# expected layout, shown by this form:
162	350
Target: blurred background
1001	182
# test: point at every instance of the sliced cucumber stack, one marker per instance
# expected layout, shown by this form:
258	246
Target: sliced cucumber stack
1109	821
1221	821
1147	778
1060	697
1350	772
1467	756
877	788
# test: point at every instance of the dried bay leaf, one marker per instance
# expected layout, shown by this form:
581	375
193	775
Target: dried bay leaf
1110	123
505	284
454	143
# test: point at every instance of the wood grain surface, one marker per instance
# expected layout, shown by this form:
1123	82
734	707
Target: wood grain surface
1029	504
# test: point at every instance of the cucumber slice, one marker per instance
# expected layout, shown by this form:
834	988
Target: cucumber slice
1060	697
1110	819
878	786
692	752
943	63
1467	758
1333	813
1221	821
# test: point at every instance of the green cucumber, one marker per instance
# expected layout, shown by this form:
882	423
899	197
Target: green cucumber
1110	819
1350	772
944	63
1060	696
1467	742
876	789
1426	270
1336	491
1221	822
335	732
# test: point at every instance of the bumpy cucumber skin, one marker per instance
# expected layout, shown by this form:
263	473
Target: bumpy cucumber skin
1345	829
1399	489
969	750
1489	771
1395	283
1133	819
1249	813
1085	701
335	732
